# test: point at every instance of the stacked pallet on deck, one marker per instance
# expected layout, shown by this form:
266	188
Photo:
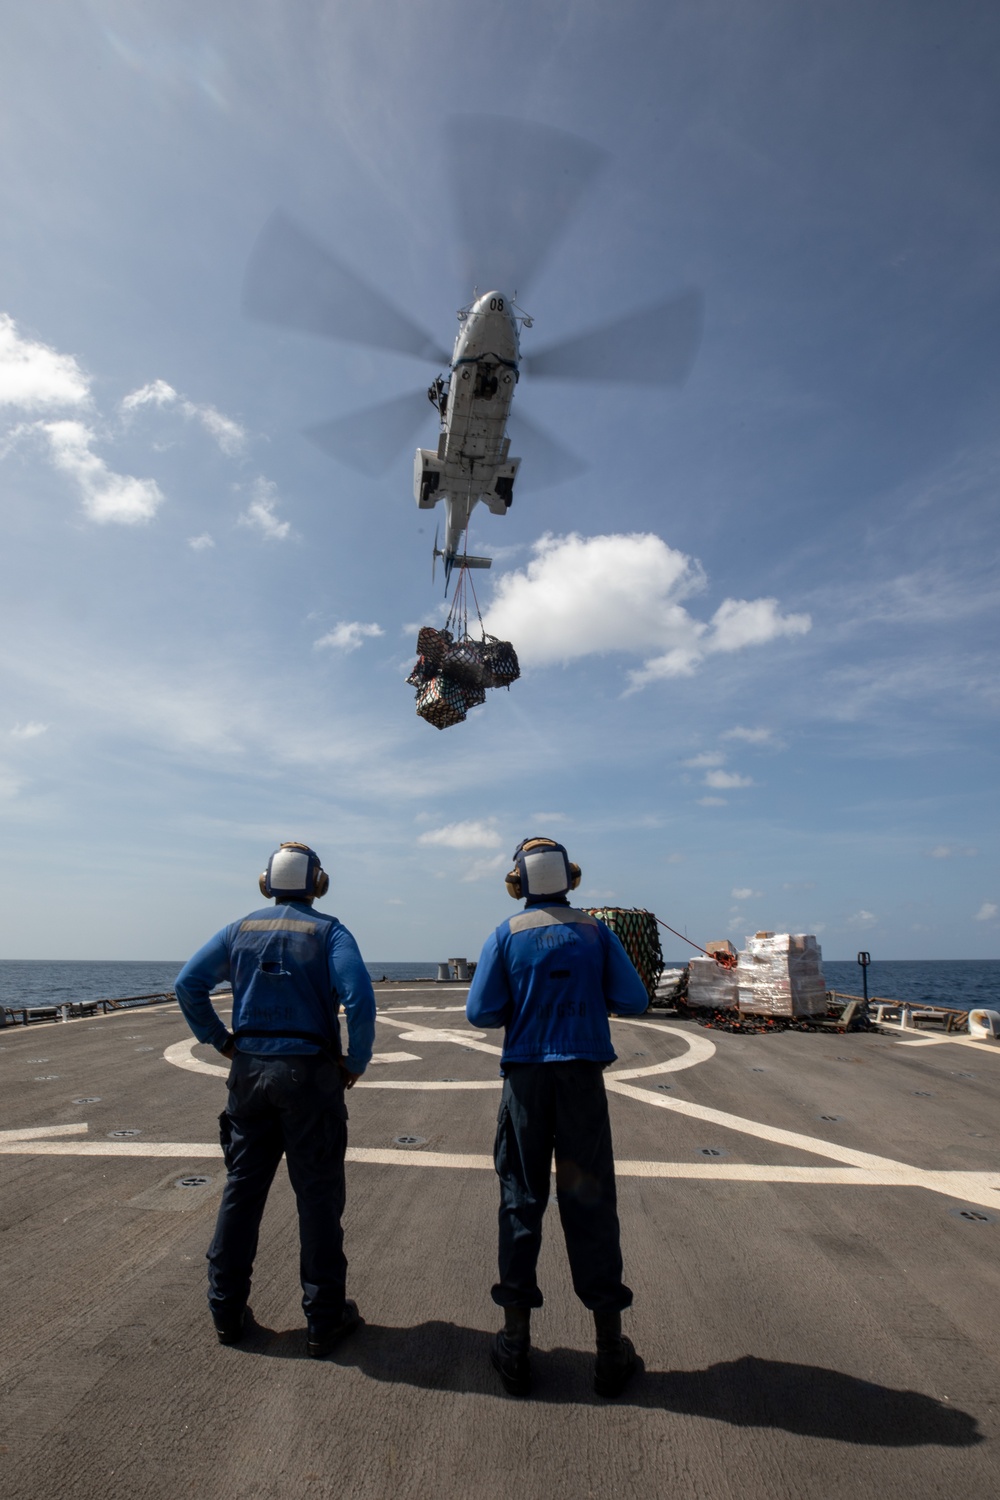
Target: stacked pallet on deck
780	974
710	985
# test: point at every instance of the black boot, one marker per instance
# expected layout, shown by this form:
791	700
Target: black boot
510	1354
322	1341
231	1326
617	1360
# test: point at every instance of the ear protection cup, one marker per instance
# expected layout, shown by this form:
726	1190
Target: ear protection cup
321	884
262	882
575	875
512	880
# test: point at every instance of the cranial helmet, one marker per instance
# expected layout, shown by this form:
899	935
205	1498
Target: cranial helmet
541	868
294	873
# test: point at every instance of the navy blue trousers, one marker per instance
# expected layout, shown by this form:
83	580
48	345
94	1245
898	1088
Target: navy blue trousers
291	1105
560	1108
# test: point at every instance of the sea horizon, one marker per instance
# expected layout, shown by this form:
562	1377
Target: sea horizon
959	982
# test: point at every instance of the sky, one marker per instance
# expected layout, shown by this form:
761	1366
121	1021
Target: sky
758	629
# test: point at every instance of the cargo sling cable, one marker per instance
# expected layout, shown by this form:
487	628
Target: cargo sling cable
725	960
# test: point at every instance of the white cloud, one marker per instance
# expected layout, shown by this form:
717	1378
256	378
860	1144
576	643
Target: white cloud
712	802
34	377
228	433
29	730
548	817
744	893
106	496
472	834
348	635
749	736
862	918
579	596
987	911
156	393
752	622
706	758
947	851
260	516
727	780
483	869
201	543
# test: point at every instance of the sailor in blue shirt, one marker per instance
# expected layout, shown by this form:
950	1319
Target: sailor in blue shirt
550	976
292	968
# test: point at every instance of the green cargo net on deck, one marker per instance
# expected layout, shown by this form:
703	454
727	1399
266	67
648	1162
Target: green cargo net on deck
637	931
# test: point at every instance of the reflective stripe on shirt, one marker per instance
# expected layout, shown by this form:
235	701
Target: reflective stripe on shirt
277	924
547	916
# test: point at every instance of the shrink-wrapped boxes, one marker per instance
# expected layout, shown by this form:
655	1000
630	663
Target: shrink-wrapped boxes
780	974
670	987
710	986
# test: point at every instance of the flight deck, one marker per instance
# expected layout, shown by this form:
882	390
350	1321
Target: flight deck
810	1224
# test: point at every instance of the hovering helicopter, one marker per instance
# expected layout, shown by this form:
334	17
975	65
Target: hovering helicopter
472	461
516	184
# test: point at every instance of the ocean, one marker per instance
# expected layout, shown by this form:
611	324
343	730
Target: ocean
40	982
964	982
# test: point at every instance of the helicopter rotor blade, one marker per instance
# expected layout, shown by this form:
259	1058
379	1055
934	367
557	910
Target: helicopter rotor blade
515	185
545	461
293	281
655	346
372	439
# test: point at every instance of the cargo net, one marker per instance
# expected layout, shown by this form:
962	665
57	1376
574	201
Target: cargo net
637	932
454	669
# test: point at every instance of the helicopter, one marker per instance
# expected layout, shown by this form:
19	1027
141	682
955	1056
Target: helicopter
516	184
472	461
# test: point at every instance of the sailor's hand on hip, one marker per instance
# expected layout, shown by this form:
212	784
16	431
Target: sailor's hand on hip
350	1079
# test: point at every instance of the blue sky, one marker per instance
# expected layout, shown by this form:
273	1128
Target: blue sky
759	631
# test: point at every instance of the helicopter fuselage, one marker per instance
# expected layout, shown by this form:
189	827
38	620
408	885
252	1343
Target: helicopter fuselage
472	461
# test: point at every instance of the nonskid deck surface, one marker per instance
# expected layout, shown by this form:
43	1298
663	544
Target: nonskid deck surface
811	1225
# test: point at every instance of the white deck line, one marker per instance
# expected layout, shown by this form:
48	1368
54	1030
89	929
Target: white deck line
39	1132
982	1188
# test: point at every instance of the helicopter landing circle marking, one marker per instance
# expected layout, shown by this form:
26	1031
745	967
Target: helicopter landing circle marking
699	1050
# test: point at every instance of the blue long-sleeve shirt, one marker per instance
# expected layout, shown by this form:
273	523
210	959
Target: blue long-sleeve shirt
291	968
550	976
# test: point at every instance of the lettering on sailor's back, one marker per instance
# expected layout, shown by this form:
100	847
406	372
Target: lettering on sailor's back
560	1009
555	937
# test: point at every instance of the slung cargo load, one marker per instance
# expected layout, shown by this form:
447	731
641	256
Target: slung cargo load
454	669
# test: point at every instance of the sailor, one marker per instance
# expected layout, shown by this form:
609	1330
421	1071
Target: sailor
550	976
291	969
